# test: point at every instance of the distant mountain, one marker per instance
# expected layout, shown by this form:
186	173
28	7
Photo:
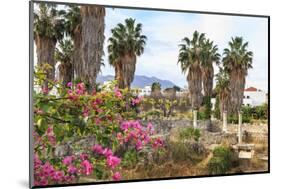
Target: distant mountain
140	81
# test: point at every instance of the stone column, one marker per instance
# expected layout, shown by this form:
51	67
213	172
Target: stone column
224	122
195	118
239	129
212	117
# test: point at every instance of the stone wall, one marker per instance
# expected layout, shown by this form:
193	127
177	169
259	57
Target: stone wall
164	126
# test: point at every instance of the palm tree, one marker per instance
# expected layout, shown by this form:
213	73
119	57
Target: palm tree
92	39
190	57
156	90
210	55
48	29
64	55
236	61
125	44
73	29
223	91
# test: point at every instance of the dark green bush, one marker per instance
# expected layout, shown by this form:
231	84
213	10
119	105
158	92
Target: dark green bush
222	160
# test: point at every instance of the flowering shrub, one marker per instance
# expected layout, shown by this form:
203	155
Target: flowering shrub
137	135
71	114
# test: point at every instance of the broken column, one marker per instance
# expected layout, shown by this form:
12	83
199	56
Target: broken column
224	122
195	118
239	129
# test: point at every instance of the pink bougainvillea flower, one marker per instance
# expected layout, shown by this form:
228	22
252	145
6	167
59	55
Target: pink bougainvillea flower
36	183
71	169
86	112
96	102
69	84
158	143
58	175
43	182
69	178
107	152
87	168
52	139
116	176
48	169
136	101
81	86
125	125
67	160
49	130
45	90
117	92
83	156
78	91
139	145
113	161
37	162
97	149
98	121
119	136
69	92
146	139
99	110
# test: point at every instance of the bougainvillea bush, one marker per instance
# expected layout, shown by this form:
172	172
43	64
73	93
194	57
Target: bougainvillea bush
63	114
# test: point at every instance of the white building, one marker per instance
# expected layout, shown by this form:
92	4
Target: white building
254	97
146	91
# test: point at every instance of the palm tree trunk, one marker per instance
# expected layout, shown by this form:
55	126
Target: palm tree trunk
194	79
237	84
77	61
127	70
45	50
65	73
92	40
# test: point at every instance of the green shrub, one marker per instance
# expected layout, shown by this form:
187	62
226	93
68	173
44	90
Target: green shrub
207	107
222	160
234	119
260	112
201	115
191	152
130	158
190	134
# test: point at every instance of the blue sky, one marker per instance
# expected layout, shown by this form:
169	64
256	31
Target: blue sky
165	30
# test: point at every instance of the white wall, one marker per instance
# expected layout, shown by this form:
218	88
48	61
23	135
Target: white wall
256	98
14	93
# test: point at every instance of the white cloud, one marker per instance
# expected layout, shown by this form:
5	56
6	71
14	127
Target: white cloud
166	29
